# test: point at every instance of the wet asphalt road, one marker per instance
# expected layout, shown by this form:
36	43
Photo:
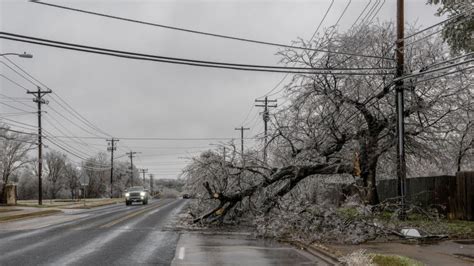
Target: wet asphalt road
113	235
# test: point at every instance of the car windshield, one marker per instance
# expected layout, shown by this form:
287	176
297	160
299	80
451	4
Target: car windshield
136	189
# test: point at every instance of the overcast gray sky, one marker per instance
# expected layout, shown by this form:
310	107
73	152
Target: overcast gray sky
129	98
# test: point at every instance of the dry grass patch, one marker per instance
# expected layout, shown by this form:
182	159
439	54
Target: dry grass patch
28	215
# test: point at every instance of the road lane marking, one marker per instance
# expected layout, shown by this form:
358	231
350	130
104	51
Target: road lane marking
133	214
92	246
181	253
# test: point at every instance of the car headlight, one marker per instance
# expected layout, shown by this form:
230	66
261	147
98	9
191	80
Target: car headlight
142	194
127	194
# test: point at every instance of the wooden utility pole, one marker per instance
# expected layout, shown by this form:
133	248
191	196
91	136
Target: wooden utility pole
39	100
242	139
111	148
399	103
151	184
143	171
266	118
131	154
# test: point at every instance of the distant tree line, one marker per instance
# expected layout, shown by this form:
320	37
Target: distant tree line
61	175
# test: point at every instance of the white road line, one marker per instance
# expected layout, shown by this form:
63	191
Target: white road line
181	253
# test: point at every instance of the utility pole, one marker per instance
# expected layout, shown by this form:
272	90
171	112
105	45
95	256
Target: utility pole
399	103
39	100
143	171
266	118
151	184
242	139
131	154
111	147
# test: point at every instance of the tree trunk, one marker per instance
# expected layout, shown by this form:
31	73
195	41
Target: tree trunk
368	164
2	194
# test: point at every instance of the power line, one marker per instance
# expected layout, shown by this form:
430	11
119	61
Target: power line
80	142
12	81
444	74
21	123
20	102
189	62
312	37
74	112
19	132
435	25
74	123
360	15
77	115
16	114
343	12
199	32
18	73
154	138
378	10
67	148
424	72
16	108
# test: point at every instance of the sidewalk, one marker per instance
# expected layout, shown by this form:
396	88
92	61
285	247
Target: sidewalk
451	252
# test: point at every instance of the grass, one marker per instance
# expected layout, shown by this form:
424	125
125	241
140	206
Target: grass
61	203
348	212
394	260
7	210
28	215
454	229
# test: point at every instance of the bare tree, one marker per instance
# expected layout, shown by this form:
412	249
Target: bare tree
97	169
333	118
72	181
356	113
28	183
14	148
56	172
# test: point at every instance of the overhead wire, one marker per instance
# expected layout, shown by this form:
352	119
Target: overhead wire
16	108
190	31
377	12
270	93
190	62
14	82
360	15
74	112
79	141
20	102
436	24
312	37
70	109
73	123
